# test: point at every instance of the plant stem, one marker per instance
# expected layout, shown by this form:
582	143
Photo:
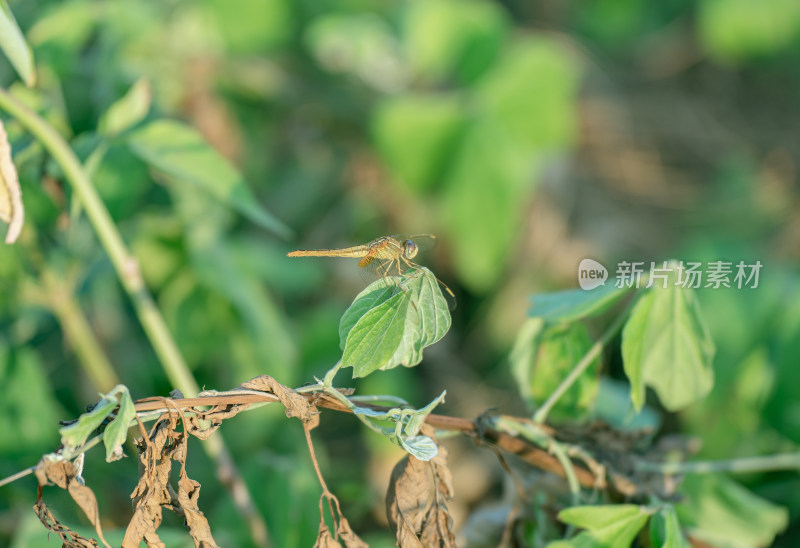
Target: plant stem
79	333
127	268
786	461
541	414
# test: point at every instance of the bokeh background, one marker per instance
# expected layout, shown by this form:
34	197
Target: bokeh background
525	135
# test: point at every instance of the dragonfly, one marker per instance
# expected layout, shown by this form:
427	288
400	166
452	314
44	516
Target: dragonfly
383	257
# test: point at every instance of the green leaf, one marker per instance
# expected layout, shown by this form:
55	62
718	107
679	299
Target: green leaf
372	296
422	447
721	512
116	432
417	135
484	200
609	526
14	46
666	345
531	93
543	357
453	37
735	30
572	305
75	434
665	530
128	110
417	418
181	152
377	335
392	321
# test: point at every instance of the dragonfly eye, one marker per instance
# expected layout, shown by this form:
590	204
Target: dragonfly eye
411	249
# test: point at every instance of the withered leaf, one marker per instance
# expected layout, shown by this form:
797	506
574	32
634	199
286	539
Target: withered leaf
11	210
416	502
296	405
64	475
69	538
155	464
348	536
188	494
325	539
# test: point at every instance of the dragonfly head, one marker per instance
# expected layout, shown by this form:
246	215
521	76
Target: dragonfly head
410	249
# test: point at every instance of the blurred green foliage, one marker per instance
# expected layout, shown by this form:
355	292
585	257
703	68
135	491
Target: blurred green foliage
525	135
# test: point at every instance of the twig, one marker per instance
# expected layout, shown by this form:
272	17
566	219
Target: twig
786	461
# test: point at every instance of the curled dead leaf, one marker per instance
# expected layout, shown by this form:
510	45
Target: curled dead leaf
69	538
64	475
296	405
163	445
11	210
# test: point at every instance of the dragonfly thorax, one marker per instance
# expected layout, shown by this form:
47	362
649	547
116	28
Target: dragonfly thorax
410	249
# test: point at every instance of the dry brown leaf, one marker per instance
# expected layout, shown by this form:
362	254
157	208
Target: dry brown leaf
64	475
348	536
188	494
416	502
325	539
69	538
11	210
152	492
296	405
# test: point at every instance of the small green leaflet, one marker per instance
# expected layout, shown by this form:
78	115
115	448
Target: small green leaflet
392	321
667	346
608	526
572	305
407	424
75	435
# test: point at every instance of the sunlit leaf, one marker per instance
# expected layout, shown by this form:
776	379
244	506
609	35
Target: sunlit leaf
181	152
11	209
609	526
445	38
392	321
417	136
483	200
721	512
128	110
666	345
13	44
736	30
572	305
531	94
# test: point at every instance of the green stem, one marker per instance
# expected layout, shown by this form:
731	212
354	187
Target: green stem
786	461
127	268
124	262
541	414
79	333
